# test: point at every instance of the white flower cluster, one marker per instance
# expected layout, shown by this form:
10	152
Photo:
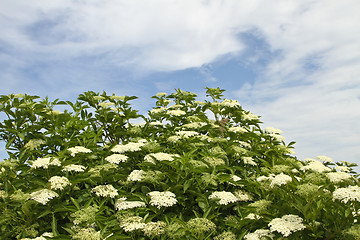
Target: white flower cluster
43	196
272	130
253	216
230	103
105	191
194	125
122	204
136	175
129	147
337	177
106	104
249	161
159	157
325	159
186	134
116	158
162	199
161	94
249	116
259	234
154	228
74	167
347	194
155	124
237	129
57	182
280	179
235	178
132	223
78	149
224	197
243	196
34	143
176	112
342	168
42	237
315	166
287	224
45	162
158	110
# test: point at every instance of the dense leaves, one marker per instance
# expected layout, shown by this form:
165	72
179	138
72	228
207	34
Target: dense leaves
188	170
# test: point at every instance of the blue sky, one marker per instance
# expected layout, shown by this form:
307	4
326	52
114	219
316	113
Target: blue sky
295	63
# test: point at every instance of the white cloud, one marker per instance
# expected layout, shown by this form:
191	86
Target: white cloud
309	88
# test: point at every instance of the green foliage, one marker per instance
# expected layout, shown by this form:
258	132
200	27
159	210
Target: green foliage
90	172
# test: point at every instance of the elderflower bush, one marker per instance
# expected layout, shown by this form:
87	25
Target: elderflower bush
89	172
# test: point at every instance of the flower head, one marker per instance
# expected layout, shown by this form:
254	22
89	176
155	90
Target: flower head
122	204
287	224
105	191
116	158
43	196
347	194
224	198
59	182
74	167
78	149
45	162
162	199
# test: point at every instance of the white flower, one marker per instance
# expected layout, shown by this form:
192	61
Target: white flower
132	223
34	143
176	112
249	116
224	197
174	139
74	167
280	179
351	193
277	137
159	157
230	103
122	204
116	158
43	196
129	147
78	149
158	110
136	175
160	94
155	124
259	234
235	178
342	168
237	129
253	216
194	125
45	162
57	182
325	159
162	199
337	177
117	97
243	196
186	134
316	166
199	102
272	130
287	224
105	191
106	104
249	161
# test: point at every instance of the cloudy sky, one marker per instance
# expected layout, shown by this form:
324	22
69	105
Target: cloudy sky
295	63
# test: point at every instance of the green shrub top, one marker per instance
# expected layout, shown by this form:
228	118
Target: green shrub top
190	170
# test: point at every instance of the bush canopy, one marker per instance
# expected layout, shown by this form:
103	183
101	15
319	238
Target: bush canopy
187	170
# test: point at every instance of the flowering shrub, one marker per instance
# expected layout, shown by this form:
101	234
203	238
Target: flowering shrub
191	170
